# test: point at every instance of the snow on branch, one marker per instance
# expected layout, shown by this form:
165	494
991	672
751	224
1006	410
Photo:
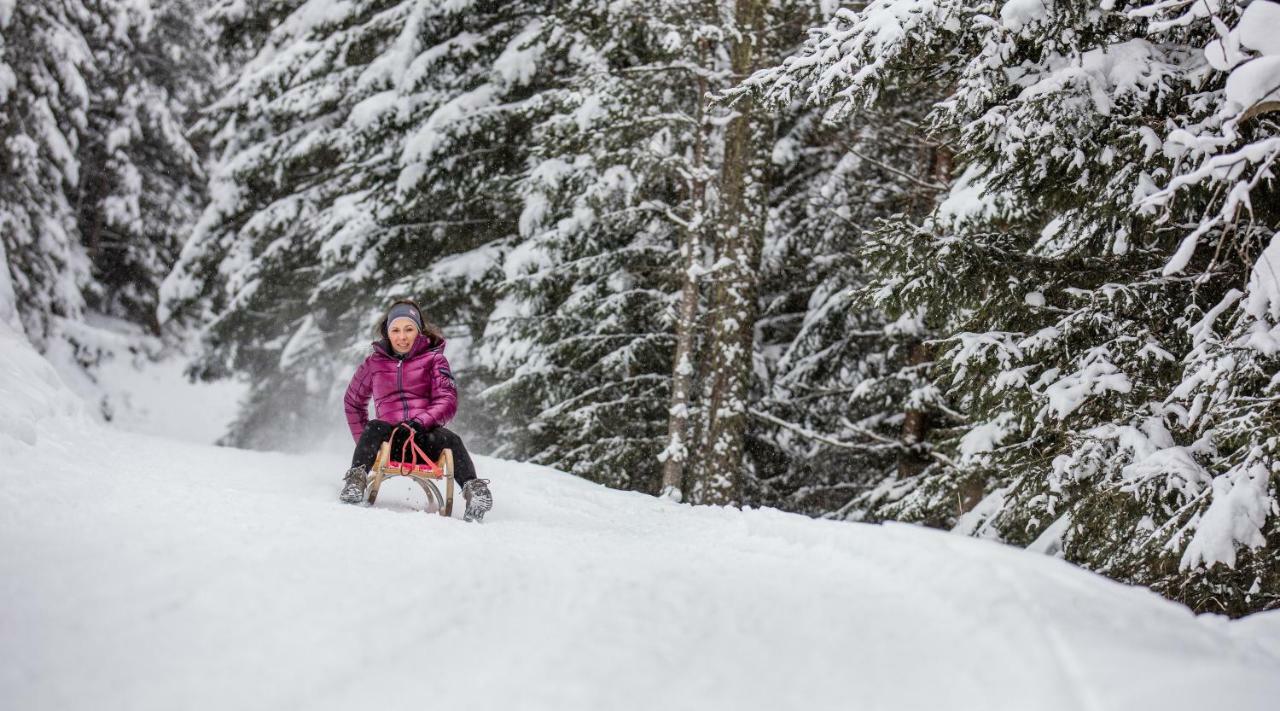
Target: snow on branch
843	62
1249	53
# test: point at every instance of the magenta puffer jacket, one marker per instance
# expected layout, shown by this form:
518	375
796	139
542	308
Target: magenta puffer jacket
418	386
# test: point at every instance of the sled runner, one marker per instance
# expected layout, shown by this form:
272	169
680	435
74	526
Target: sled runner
415	464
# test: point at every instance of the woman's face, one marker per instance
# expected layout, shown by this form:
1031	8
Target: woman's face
402	334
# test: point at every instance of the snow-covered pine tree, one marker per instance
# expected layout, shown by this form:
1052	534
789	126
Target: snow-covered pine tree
100	179
847	402
1073	294
241	28
714	454
365	152
582	340
141	180
819	362
44	104
473	100
632	164
1230	386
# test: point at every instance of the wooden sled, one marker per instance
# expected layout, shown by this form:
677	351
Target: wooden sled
415	464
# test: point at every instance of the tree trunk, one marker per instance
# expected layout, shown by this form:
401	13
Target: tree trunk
676	455
915	423
734	305
938	163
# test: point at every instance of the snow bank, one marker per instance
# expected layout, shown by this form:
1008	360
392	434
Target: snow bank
8	300
137	383
35	404
157	398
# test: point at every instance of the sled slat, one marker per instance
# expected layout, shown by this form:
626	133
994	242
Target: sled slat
446	460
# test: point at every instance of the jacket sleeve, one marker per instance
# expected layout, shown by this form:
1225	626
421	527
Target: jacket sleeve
356	401
444	394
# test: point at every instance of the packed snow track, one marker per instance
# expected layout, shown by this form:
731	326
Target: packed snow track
140	573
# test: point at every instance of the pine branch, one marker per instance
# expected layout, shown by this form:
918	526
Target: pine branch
886	442
901	173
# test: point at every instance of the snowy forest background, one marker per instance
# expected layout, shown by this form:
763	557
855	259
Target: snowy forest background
1010	268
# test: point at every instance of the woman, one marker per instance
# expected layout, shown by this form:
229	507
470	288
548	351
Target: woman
410	382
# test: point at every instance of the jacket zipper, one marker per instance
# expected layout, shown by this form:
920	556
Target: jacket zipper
400	384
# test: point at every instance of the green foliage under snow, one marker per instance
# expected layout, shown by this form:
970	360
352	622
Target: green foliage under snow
1099	275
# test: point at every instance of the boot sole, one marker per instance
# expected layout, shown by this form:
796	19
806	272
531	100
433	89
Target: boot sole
350	498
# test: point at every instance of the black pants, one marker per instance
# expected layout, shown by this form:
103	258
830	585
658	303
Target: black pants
432	442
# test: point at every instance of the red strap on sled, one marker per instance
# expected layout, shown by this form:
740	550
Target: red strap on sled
421	462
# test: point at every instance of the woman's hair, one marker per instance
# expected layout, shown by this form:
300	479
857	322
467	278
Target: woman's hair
380	327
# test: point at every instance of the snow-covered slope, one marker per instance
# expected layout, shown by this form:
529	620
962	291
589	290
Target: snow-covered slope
31	394
142	573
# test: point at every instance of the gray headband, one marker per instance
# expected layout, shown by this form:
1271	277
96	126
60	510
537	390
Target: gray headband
400	311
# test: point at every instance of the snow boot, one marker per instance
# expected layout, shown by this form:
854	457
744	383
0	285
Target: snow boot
353	489
479	500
